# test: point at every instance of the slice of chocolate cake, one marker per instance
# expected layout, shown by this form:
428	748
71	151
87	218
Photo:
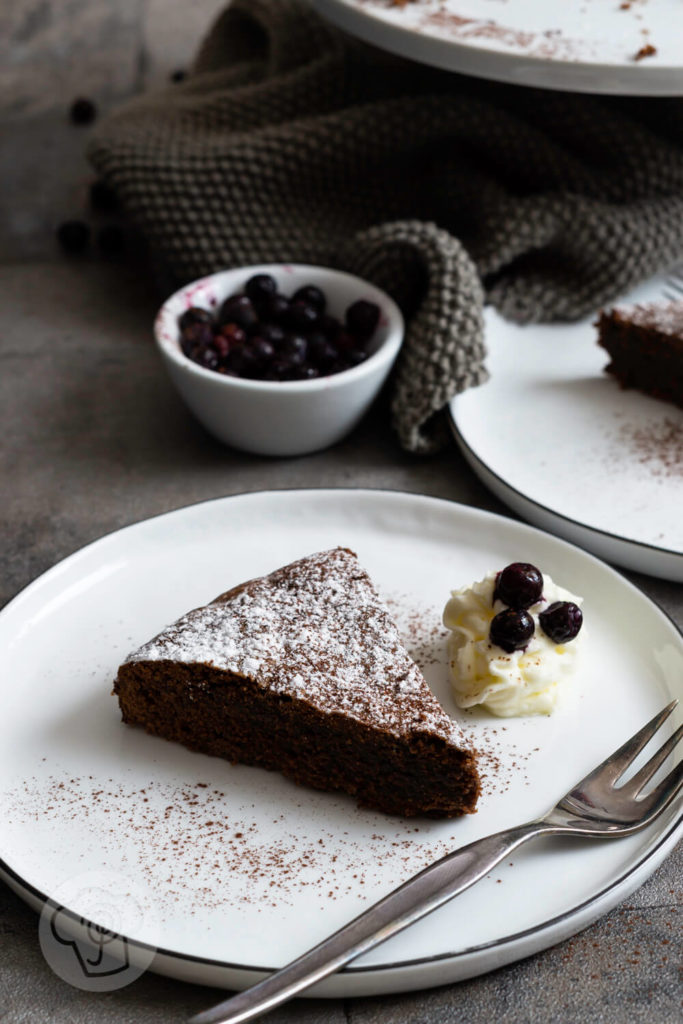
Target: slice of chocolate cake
645	344
303	671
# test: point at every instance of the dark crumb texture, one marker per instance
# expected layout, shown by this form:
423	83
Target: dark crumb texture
645	346
227	716
340	707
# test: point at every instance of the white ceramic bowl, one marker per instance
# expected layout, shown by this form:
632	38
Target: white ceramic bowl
280	417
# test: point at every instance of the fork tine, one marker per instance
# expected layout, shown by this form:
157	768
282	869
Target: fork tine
670	785
662	795
613	767
675	284
635	785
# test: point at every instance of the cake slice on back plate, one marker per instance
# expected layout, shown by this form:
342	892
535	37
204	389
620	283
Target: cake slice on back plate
645	345
303	671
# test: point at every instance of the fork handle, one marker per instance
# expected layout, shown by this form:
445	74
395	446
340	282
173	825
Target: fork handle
420	895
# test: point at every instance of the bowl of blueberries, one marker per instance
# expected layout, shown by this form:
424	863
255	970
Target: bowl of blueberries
279	359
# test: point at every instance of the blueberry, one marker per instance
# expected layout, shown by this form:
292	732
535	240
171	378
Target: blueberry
511	629
561	621
362	318
272	333
275	308
188	347
321	352
262	349
222	346
260	287
301	317
239	309
234	334
208	358
307	372
519	585
294	350
82	111
73	235
311	296
194	315
195	337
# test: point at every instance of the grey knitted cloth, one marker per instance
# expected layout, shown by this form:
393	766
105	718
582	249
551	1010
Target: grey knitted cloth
290	141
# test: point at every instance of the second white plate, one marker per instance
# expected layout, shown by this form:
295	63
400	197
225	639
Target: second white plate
557	439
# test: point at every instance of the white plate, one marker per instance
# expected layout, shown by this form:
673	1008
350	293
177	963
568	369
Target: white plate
579	47
560	442
244	870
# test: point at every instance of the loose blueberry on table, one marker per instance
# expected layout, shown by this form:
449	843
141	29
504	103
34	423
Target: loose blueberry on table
73	236
261	334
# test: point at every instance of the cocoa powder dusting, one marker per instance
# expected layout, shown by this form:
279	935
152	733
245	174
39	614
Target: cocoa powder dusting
657	445
499	761
548	44
184	838
197	840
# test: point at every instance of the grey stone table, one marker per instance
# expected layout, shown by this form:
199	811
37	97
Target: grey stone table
92	437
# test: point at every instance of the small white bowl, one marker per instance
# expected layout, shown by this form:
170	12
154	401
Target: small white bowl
280	417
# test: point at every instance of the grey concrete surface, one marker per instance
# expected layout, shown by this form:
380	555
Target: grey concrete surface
93	437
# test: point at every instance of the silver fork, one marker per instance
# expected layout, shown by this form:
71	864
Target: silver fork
674	290
596	807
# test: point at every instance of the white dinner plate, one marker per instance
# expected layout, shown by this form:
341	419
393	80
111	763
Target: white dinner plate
559	441
242	869
578	47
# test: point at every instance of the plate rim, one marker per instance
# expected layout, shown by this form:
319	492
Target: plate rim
636	545
656	852
572	76
667	840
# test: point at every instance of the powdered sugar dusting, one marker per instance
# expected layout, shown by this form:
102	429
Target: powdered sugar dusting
315	630
666	318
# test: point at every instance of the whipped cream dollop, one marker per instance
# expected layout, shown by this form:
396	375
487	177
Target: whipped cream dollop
523	682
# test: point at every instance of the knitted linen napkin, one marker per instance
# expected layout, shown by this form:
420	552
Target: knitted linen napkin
290	141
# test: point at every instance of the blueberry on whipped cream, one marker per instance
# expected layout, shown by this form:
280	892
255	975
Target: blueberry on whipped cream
513	641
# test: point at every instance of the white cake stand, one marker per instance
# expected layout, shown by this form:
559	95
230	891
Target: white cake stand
597	46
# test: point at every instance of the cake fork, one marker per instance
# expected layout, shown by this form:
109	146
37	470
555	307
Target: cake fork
596	807
674	290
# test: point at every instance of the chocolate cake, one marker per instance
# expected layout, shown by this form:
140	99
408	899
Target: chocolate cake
645	345
303	671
